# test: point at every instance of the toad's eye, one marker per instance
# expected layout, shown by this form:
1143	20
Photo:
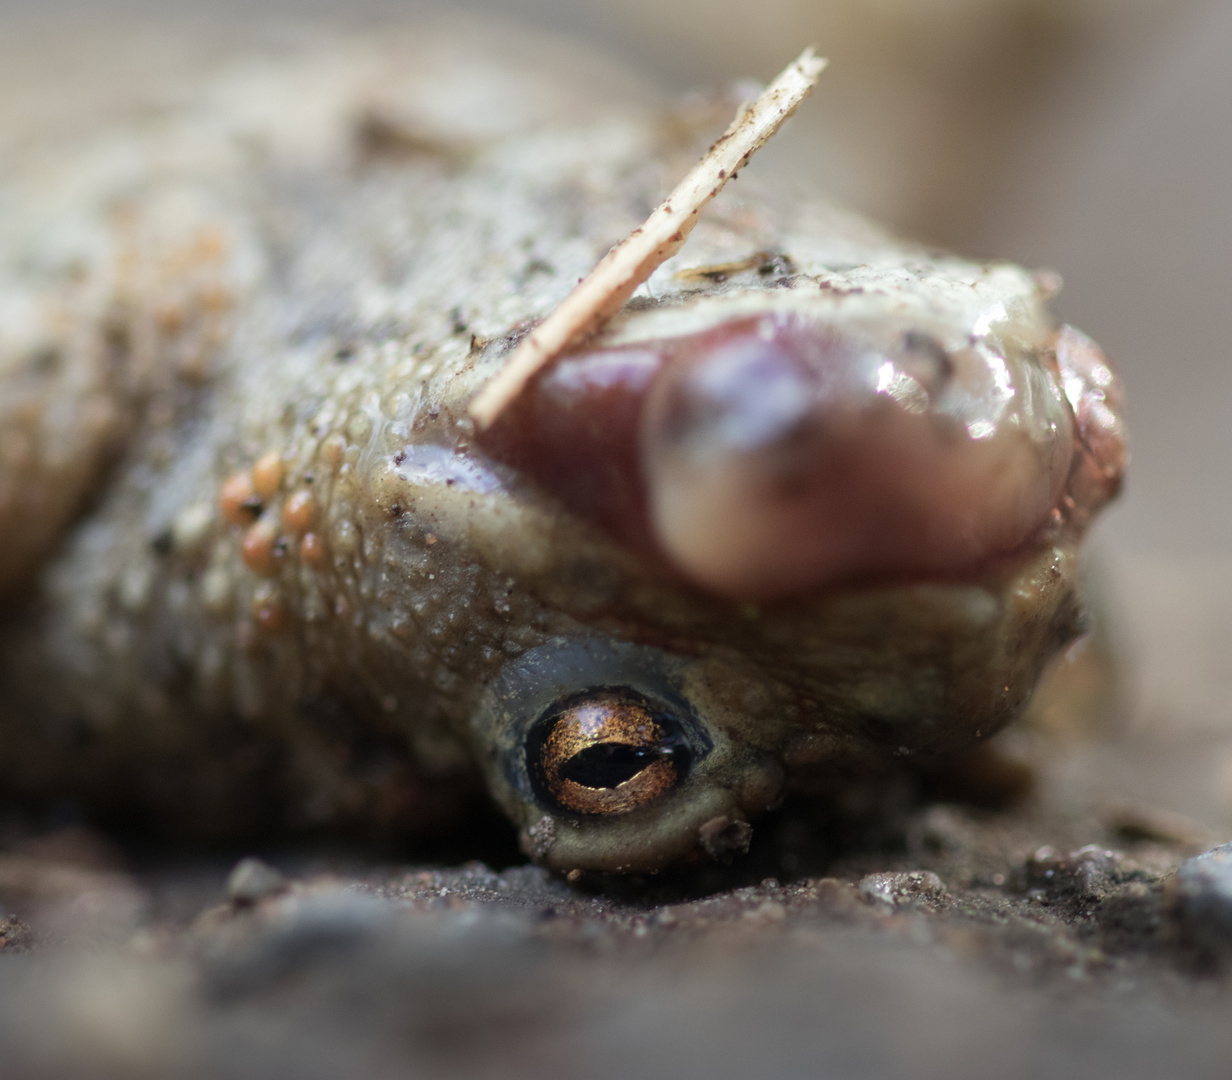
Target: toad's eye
606	751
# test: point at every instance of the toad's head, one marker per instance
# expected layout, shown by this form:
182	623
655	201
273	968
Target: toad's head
844	513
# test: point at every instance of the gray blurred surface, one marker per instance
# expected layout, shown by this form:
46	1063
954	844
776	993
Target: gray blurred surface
1129	200
1126	194
474	973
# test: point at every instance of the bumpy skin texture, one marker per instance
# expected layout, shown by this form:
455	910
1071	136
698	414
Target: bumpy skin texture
256	572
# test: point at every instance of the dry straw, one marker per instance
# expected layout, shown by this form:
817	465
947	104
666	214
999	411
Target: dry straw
604	290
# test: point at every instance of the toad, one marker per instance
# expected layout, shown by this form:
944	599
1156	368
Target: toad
814	495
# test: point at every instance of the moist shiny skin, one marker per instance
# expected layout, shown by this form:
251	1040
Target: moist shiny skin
259	572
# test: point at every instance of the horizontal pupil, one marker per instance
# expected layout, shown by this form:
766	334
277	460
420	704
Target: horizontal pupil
607	765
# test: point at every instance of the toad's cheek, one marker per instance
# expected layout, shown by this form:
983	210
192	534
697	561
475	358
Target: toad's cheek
775	456
777	464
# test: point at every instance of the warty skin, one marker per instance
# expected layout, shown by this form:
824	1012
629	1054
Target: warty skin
259	572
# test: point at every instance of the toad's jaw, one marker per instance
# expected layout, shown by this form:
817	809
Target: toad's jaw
775	455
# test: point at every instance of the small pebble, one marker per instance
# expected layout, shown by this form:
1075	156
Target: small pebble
1202	899
904	888
251	880
1088	872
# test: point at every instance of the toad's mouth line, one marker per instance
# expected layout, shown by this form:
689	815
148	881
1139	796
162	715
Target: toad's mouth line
775	456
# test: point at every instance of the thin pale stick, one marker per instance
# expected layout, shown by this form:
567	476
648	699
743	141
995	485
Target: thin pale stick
605	289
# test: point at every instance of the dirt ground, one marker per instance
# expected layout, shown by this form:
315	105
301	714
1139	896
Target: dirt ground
913	928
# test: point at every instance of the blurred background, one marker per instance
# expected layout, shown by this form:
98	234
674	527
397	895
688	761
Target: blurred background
1089	137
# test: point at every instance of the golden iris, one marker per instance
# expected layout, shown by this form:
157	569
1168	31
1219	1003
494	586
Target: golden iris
606	752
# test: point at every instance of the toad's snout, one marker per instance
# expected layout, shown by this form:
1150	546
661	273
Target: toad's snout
775	455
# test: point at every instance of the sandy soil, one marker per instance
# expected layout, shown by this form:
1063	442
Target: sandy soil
905	935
